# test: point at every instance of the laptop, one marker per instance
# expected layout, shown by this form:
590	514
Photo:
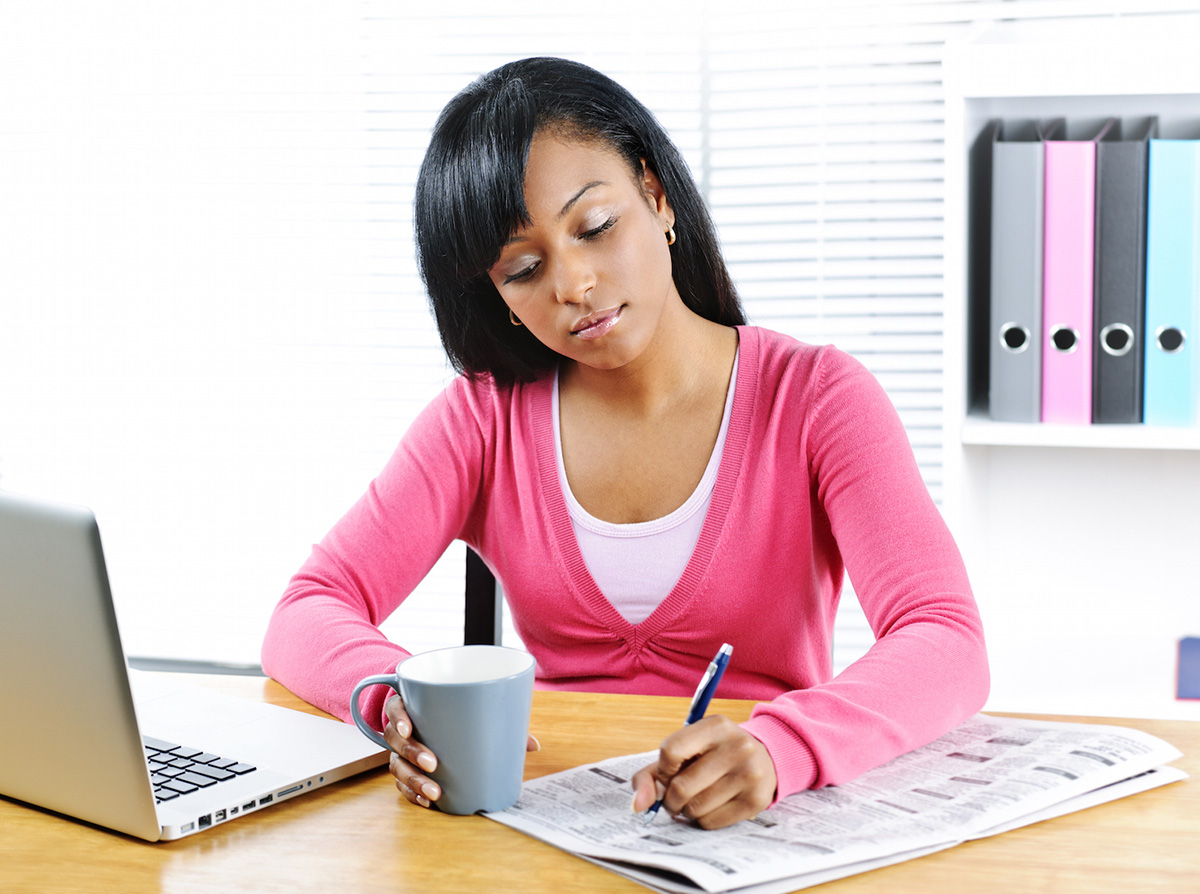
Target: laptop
83	735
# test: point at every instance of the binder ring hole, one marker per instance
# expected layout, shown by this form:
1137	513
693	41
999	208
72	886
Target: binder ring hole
1014	338
1065	339
1170	340
1116	339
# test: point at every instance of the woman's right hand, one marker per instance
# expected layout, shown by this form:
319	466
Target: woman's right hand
410	759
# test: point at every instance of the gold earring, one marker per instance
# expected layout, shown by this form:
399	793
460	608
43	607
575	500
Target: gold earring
670	235
512	318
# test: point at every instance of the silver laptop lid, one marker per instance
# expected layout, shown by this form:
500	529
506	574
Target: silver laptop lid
69	739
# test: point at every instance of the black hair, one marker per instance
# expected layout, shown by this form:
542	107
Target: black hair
470	199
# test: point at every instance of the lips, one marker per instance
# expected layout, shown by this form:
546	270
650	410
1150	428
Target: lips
597	324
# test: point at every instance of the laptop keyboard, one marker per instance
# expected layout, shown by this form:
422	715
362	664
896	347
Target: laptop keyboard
178	770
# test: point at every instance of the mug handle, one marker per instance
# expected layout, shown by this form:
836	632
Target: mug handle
363	726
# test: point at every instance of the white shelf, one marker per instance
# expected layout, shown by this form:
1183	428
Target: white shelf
1056	57
978	430
1077	538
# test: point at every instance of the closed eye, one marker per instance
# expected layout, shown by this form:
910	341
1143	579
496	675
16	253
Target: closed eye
588	235
522	275
593	233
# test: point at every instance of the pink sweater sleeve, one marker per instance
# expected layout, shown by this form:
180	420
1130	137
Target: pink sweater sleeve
927	670
323	636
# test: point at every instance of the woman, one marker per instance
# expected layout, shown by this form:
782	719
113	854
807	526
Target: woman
646	475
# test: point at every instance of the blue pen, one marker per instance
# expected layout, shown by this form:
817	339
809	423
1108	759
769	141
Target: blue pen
704	693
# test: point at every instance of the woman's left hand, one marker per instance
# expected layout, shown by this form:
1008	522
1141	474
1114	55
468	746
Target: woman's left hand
712	772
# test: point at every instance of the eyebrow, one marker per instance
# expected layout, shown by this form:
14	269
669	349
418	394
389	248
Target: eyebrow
579	195
567	207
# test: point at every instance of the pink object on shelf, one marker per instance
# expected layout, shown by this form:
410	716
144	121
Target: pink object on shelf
1067	279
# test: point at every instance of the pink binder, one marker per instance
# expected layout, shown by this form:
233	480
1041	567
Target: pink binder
1068	265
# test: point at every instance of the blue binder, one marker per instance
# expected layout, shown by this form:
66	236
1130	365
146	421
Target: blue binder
1188	671
1172	282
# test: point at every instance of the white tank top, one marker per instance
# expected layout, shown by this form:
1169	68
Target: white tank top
637	565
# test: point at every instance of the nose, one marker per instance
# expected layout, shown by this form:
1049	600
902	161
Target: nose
574	277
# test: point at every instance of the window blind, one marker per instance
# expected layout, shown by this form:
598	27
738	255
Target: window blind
824	165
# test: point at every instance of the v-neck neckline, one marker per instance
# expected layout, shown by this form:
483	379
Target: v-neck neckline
567	547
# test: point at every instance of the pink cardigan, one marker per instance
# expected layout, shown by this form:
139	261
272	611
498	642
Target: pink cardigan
817	472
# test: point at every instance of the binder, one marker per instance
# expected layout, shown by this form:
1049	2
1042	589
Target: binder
1172	281
1187	670
1120	303
1015	312
1068	273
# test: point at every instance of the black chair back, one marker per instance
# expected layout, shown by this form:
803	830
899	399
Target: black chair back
482	619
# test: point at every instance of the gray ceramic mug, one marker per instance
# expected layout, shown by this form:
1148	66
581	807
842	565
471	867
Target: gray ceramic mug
470	705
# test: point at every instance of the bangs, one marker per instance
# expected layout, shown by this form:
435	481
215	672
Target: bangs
471	189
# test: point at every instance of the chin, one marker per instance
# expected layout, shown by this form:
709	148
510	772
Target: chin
602	364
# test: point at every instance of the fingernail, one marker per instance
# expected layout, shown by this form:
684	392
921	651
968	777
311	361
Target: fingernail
427	761
430	791
537	746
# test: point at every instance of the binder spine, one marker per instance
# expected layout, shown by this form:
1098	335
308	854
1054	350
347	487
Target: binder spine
1118	350
1068	272
1015	368
1172	281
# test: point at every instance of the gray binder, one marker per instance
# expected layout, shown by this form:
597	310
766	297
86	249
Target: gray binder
1120	310
1015	356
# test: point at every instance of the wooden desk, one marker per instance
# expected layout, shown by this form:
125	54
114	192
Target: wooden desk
361	836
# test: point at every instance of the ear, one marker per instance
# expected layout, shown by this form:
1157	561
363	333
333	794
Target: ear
656	195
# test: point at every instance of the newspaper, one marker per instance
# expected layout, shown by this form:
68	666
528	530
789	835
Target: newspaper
986	776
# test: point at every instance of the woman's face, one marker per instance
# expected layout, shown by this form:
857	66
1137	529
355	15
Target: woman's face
591	274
